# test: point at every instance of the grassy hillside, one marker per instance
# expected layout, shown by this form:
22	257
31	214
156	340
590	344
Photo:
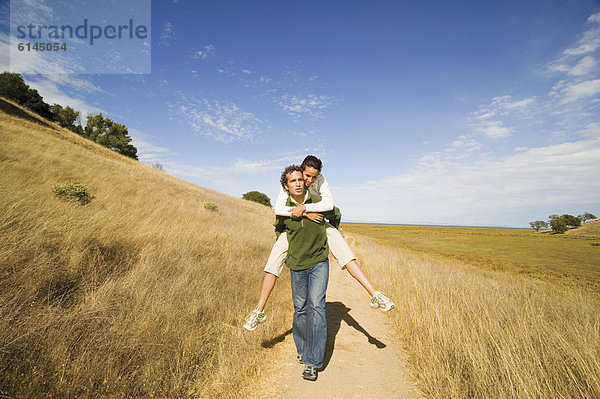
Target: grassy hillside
589	229
566	259
139	293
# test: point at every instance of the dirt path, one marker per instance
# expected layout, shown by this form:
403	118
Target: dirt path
362	359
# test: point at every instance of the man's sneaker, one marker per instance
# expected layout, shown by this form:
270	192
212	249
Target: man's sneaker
382	302
300	359
309	373
254	319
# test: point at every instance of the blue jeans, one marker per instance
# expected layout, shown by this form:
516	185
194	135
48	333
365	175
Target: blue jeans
310	323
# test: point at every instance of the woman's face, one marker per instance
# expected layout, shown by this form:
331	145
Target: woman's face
310	175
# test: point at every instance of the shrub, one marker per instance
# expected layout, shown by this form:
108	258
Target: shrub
73	191
257	196
210	206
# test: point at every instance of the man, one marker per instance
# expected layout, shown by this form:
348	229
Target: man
309	270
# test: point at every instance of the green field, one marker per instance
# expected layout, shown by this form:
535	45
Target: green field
568	259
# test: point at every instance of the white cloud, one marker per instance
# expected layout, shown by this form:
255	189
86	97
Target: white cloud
582	90
584	66
591	130
204	52
182	169
53	93
221	119
590	41
519	104
578	61
488	119
494	129
452	191
264	165
464	145
148	152
312	104
167	34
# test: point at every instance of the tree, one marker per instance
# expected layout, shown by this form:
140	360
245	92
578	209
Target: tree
13	87
571	220
157	166
538	225
257	197
586	216
66	117
558	224
109	134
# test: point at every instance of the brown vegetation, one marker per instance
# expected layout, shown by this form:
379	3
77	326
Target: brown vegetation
588	229
471	332
140	293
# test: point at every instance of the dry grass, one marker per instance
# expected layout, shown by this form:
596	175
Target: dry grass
140	293
588	229
476	333
568	260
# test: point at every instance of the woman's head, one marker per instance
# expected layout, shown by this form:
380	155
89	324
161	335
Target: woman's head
311	168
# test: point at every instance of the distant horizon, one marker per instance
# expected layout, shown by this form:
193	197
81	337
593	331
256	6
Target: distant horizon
435	225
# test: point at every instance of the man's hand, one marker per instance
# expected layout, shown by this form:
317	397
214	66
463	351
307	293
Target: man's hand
314	216
298	211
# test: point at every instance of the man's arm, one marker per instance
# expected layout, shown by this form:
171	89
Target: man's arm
326	203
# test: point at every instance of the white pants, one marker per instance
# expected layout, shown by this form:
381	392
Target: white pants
337	245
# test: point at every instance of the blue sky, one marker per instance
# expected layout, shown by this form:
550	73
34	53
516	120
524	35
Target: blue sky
467	113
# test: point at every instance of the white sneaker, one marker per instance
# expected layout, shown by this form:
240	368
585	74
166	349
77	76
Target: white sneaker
382	302
254	319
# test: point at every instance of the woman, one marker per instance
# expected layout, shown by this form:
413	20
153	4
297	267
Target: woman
316	183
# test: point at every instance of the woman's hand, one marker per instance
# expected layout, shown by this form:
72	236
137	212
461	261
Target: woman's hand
298	211
314	216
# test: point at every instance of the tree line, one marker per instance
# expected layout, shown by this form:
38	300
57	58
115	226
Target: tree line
97	128
562	223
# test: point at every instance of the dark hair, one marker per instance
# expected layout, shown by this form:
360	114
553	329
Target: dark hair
289	169
312	162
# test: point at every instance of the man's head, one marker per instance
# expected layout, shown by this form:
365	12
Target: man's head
311	167
292	180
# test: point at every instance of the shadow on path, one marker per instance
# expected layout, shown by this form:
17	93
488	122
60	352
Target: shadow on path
275	340
336	312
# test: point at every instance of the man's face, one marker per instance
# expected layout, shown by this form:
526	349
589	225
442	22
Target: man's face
310	175
295	183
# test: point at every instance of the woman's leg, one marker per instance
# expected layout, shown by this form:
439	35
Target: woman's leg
272	269
343	254
355	271
267	286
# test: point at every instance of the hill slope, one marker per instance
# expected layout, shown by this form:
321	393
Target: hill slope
137	294
589	229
